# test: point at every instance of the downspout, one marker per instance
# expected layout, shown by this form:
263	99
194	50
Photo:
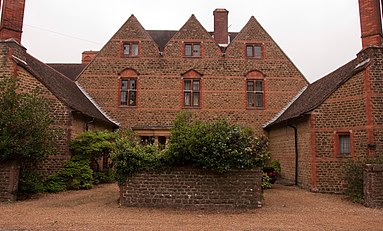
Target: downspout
296	152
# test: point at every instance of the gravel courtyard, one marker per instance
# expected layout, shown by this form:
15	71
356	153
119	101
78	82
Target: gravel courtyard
285	208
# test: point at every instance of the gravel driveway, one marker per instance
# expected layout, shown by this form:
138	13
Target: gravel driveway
285	208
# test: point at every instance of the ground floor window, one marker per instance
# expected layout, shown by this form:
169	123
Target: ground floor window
344	144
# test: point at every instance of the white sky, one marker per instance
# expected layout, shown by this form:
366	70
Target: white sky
318	36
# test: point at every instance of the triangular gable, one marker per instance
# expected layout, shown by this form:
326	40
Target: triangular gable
252	31
193	31
130	31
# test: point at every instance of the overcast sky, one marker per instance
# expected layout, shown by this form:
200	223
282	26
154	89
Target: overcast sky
318	36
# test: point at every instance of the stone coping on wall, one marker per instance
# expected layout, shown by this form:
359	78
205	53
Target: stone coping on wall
193	188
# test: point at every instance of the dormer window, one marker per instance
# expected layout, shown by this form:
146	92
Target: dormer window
131	49
253	51
192	49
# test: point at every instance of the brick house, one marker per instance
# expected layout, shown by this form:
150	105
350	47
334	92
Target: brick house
337	117
142	78
69	105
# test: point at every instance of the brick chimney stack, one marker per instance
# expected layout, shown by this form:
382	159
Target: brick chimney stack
12	16
371	22
88	56
221	33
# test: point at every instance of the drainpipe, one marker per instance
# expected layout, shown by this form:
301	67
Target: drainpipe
296	151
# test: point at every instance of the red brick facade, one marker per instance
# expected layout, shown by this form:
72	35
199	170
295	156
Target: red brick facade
222	72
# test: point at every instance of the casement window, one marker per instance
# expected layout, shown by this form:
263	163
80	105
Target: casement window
128	92
253	51
255	94
192	93
344	147
131	49
192	50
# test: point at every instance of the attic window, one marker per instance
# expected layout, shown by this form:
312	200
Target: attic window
192	50
131	49
253	51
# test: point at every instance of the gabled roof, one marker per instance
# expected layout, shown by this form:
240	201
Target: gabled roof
70	70
62	87
317	92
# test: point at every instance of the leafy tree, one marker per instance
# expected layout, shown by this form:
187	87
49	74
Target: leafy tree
24	124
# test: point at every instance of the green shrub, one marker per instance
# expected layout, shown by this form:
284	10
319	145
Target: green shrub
266	181
353	175
76	174
276	165
30	182
103	177
129	157
217	145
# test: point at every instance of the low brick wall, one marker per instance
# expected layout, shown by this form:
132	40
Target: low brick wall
9	180
193	188
373	185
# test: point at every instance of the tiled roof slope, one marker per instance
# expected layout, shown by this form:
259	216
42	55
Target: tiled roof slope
70	70
62	87
317	92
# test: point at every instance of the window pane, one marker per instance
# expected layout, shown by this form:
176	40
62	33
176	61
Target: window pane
123	98
188	50
196	99
132	98
187	99
257	51
259	100
196	50
134	49
133	85
187	85
344	144
258	85
124	85
196	85
250	99
250	85
126	49
249	51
